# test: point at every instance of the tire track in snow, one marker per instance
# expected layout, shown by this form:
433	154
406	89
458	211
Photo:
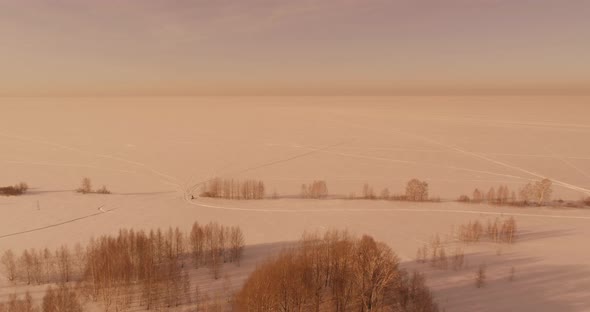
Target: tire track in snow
274	162
499	163
101	211
168	178
411	162
422	210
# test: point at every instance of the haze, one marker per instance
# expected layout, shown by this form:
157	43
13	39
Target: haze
305	47
273	155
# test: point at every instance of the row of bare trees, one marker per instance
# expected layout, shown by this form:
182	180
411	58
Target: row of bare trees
132	266
233	189
538	192
156	264
214	244
59	299
436	255
335	272
318	189
86	187
416	190
42	266
501	231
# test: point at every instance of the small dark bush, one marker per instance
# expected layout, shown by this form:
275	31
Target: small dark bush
15	190
464	199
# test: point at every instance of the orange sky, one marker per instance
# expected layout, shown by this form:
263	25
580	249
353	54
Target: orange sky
161	47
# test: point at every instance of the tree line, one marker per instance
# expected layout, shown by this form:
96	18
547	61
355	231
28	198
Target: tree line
499	231
415	190
150	269
86	188
233	189
335	272
537	193
318	189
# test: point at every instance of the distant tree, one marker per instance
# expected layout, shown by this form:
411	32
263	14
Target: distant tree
10	267
513	197
480	276
103	190
385	193
491	196
477	196
464	199
64	263
17	189
237	244
543	191
368	191
527	193
503	195
85	187
304	191
317	190
442	259
538	192
26	263
417	190
458	259
22	187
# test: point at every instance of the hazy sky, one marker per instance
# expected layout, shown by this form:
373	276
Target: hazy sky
181	47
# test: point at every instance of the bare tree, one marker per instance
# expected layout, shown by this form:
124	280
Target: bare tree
480	276
368	192
417	190
62	299
491	196
385	193
458	259
85	187
197	240
26	263
237	243
527	193
103	190
9	264
64	263
543	191
511	274
477	196
186	288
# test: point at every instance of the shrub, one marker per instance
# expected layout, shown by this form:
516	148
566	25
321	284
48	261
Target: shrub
86	188
103	190
17	189
464	199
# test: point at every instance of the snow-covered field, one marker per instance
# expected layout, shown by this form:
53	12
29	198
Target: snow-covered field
151	152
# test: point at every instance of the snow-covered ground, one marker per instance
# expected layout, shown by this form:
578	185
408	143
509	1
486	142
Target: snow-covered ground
152	152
